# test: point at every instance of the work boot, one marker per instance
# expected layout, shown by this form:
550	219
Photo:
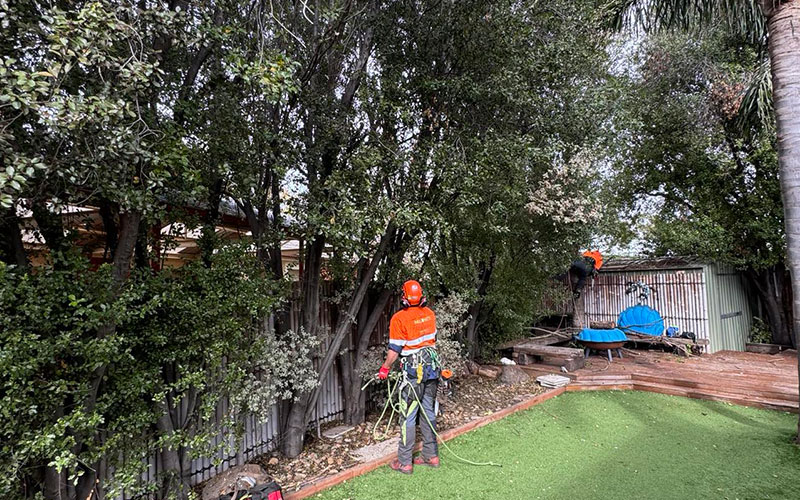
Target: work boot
430	462
405	469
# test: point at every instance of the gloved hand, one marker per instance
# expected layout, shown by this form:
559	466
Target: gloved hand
384	372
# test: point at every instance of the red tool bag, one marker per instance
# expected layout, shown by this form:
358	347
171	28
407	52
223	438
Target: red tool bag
268	491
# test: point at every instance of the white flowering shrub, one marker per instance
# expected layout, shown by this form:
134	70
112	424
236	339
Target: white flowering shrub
451	319
562	194
282	367
373	359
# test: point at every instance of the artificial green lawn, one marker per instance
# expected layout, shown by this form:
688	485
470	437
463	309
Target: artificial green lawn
609	445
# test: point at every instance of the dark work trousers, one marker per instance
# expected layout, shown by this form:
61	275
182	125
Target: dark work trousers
426	392
579	271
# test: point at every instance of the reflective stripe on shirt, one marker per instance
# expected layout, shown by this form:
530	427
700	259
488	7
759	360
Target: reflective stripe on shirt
416	342
415	345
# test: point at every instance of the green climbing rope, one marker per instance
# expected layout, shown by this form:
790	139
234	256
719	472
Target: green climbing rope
402	408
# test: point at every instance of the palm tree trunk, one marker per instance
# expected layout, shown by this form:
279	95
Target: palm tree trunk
784	52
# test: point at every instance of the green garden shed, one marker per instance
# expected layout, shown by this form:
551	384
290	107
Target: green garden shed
711	300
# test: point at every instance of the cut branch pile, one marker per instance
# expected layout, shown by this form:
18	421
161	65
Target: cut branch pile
686	347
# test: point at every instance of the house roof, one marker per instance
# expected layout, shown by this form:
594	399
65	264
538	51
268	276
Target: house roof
617	264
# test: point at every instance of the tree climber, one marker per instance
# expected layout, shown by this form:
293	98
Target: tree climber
588	265
412	338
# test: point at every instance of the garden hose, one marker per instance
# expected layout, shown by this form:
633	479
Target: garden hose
398	408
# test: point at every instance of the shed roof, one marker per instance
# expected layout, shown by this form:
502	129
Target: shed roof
619	264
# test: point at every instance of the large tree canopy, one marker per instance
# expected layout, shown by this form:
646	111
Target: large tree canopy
387	138
771	23
691	173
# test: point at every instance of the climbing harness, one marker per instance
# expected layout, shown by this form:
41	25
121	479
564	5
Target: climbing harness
424	364
402	408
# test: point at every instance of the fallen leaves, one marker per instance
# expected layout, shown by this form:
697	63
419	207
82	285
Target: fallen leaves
472	398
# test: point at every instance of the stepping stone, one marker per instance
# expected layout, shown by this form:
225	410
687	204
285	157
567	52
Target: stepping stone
338	431
377	450
553	380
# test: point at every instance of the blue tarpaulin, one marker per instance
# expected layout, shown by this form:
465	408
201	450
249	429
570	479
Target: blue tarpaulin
641	319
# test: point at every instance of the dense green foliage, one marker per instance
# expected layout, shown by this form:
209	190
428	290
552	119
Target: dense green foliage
609	445
708	187
184	340
456	142
435	140
105	367
691	176
519	143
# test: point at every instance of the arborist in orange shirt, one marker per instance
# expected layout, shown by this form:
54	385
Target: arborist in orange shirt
588	265
412	338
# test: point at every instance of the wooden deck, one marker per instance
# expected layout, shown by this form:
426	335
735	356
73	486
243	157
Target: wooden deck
751	379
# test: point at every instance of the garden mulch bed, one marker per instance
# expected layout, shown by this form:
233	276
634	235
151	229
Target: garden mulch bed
474	397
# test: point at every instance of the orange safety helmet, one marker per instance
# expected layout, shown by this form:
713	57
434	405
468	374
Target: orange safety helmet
412	293
597	256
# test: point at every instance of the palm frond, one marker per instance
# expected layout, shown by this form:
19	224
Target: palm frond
743	17
755	110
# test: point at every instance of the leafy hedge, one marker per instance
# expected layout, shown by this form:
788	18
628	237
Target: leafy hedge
194	336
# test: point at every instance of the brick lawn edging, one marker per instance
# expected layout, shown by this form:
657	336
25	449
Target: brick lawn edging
326	482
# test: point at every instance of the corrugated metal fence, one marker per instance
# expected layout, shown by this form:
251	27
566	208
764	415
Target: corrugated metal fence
261	434
679	295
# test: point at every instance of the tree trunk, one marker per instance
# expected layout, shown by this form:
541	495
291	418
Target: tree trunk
175	483
783	24
294	432
109	212
310	285
347	370
177	410
141	254
295	429
471	334
296	422
768	285
355	400
208	240
345	323
55	483
348	376
475	309
12	250
129	229
355	409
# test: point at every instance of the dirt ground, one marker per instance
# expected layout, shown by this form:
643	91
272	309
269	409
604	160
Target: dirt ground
472	397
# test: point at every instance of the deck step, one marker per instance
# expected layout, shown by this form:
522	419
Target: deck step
752	397
749	399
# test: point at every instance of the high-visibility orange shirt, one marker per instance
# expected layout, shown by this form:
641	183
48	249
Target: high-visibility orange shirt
412	329
597	256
